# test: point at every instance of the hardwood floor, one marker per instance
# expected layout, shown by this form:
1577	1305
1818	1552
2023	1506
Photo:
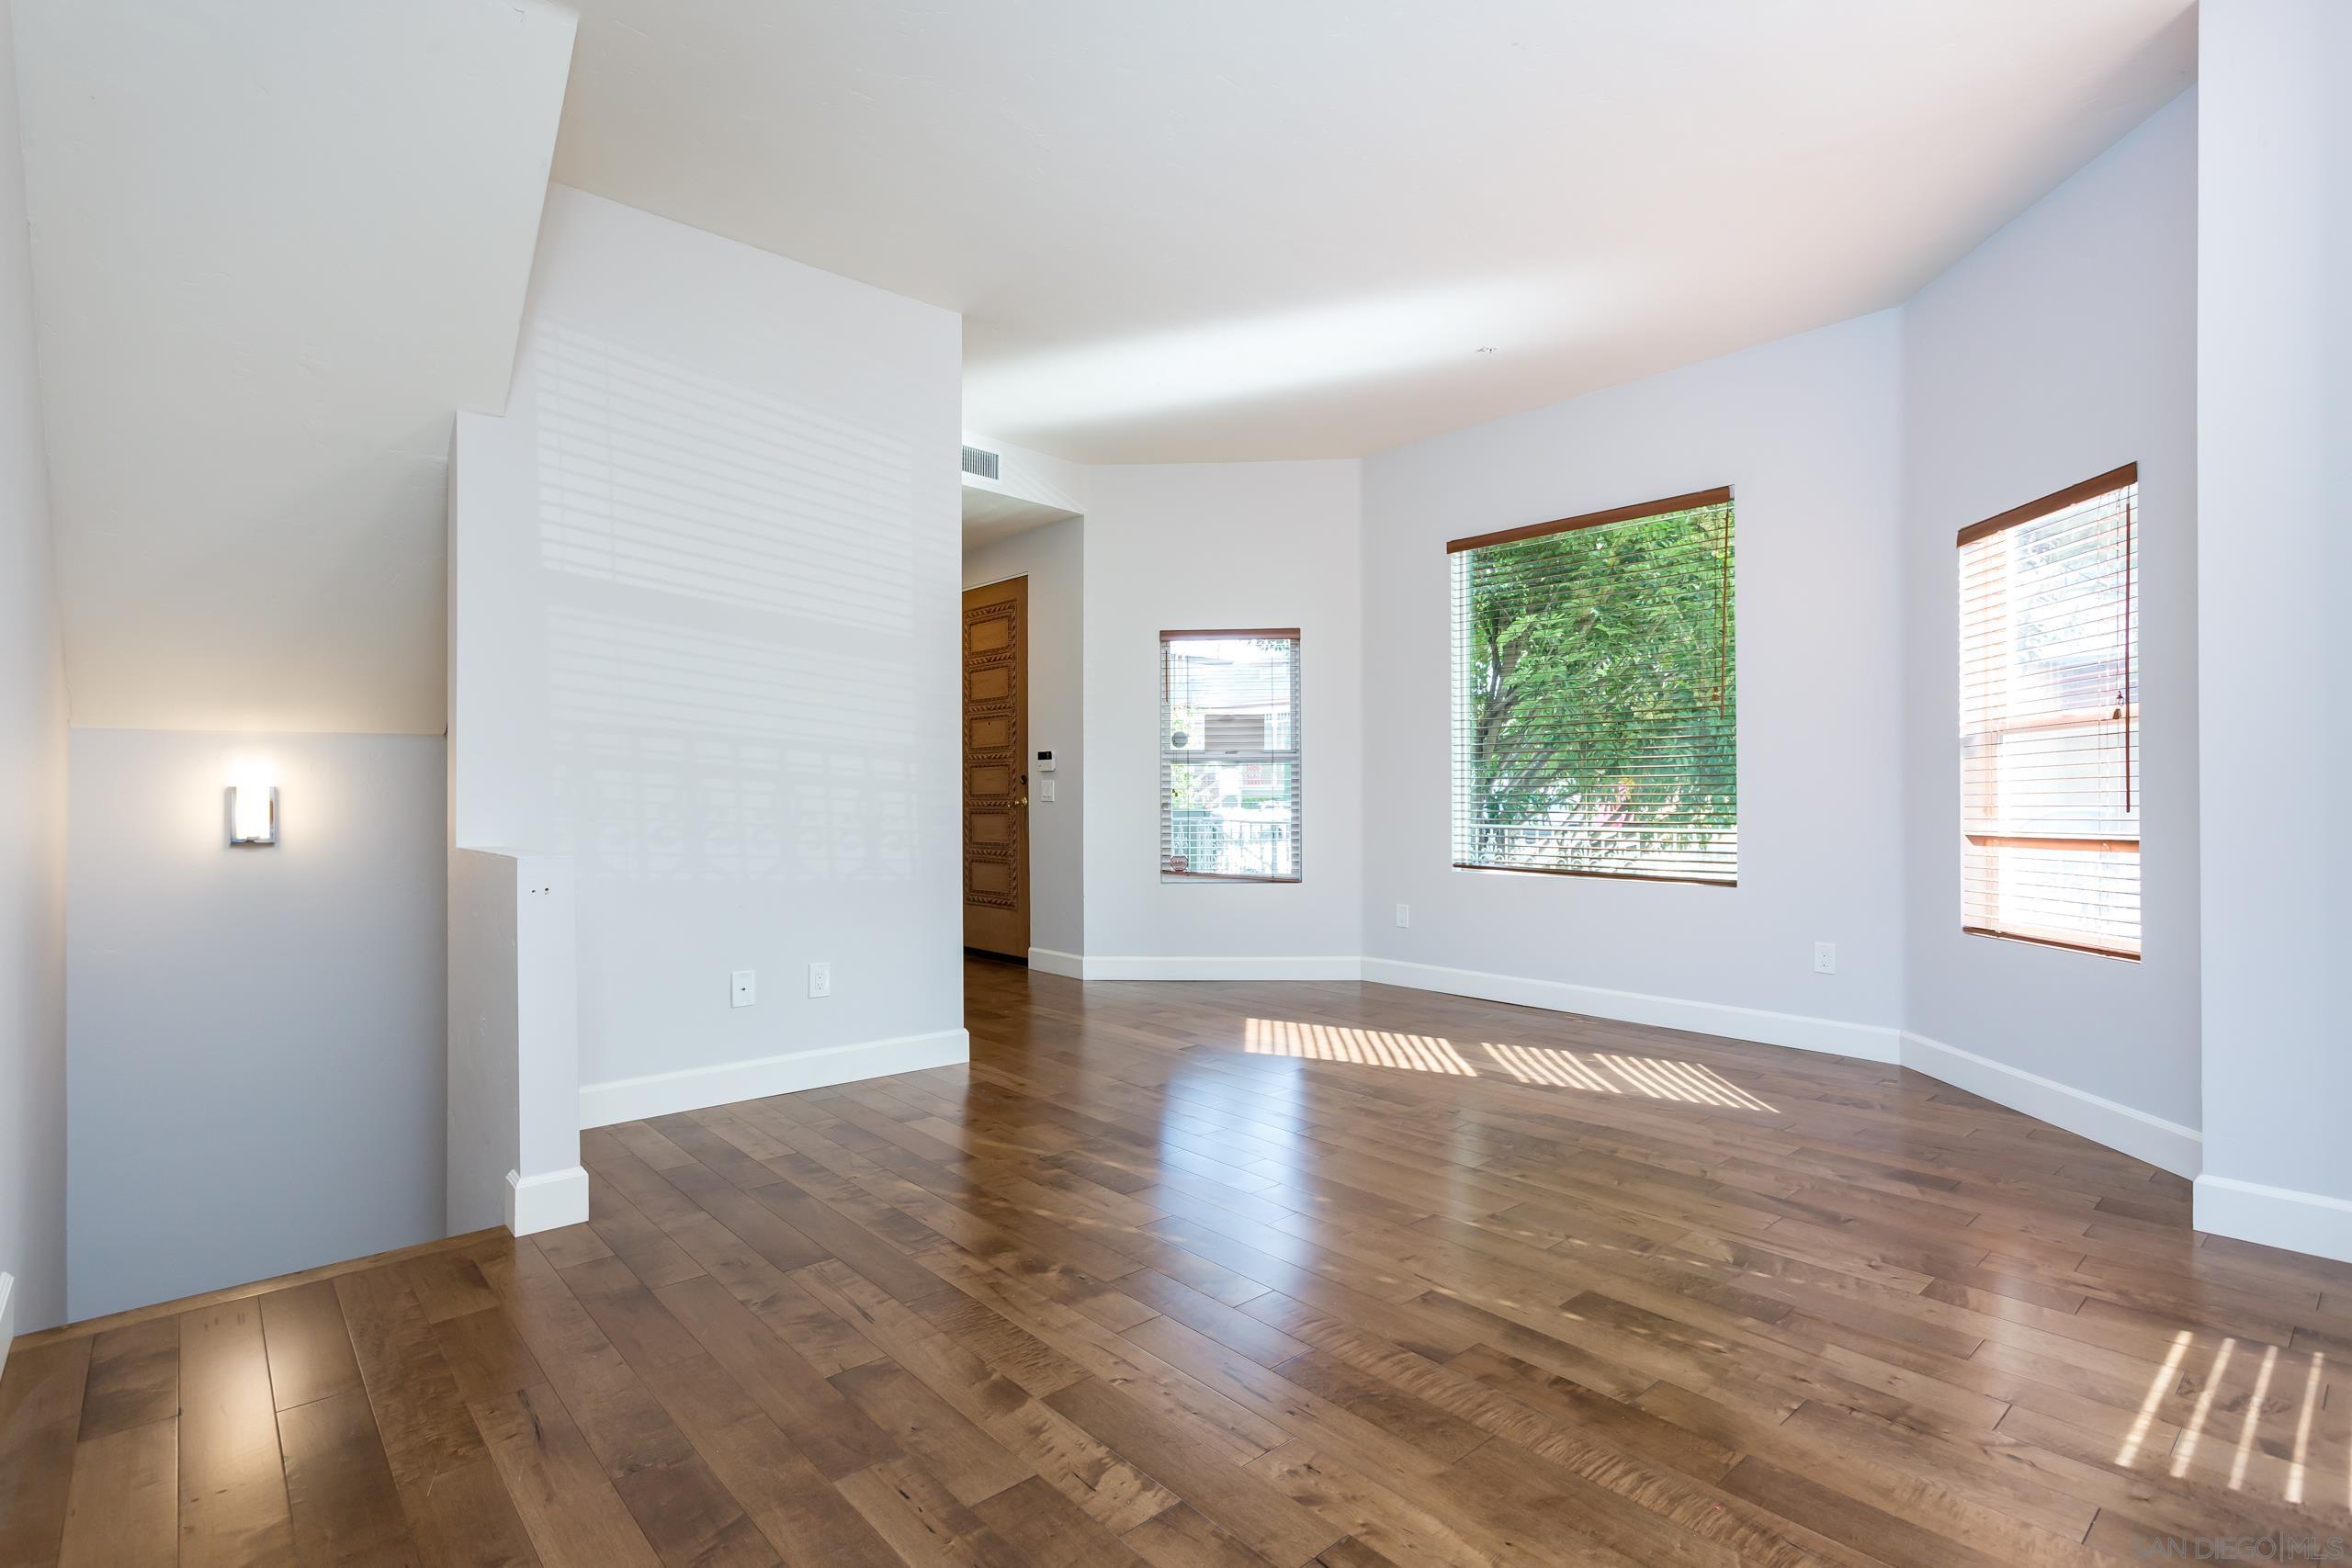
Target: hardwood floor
1215	1275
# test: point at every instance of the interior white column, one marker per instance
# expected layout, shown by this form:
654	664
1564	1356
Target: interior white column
514	1044
2273	470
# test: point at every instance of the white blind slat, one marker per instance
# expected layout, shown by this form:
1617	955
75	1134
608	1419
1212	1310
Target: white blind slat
1230	783
2050	723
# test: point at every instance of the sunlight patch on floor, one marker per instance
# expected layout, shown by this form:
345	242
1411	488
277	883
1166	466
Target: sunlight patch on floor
2185	1449
1362	1047
2303	1435
2156	1387
1593	1072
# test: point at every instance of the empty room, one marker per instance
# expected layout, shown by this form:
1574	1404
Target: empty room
849	783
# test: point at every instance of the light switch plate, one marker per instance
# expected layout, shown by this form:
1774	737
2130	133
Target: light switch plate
1046	790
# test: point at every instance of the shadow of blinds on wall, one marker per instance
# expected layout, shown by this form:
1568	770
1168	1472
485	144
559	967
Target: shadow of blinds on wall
2050	719
1595	718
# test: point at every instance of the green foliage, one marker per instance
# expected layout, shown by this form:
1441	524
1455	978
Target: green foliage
1193	786
1597	708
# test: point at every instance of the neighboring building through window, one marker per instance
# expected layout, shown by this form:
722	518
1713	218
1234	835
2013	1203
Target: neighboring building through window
1595	715
2050	720
1229	789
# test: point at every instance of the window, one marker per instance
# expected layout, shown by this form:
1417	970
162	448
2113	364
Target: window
1595	727
1228	756
2050	720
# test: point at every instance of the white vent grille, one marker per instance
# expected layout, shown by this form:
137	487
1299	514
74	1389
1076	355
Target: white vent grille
976	461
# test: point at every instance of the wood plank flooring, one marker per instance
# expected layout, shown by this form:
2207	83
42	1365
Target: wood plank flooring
1223	1276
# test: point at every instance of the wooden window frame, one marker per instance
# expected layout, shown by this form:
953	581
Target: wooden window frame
1719	496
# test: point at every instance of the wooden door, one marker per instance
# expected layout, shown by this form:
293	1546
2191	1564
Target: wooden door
996	768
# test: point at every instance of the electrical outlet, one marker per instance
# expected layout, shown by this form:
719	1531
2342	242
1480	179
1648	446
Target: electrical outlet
745	989
820	979
1825	958
1403	914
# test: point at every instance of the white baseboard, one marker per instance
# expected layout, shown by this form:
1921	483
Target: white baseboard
1251	967
2275	1216
1050	961
663	1094
546	1202
1871	1043
2167	1146
7	1316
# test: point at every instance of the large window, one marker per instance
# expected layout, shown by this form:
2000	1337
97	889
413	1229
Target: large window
1595	729
1228	756
2050	719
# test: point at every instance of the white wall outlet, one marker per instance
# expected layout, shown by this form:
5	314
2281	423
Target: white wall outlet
820	979
1046	791
745	989
1825	958
1403	914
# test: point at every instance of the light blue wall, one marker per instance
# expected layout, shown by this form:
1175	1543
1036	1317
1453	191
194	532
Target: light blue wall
256	1053
32	799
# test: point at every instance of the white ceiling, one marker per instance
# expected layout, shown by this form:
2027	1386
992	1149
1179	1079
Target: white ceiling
1230	228
276	243
992	515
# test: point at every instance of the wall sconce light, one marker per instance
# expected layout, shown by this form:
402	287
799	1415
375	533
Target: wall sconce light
253	815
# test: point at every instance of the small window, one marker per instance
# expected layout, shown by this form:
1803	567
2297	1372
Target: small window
1595	720
2050	720
1228	756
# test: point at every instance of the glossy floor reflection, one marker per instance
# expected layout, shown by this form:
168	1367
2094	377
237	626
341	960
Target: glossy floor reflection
1241	1275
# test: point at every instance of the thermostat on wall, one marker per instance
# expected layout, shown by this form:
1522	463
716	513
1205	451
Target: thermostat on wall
1044	761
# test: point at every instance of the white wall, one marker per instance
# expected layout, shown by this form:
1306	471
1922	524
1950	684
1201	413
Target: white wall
32	799
514	1112
1038	478
702	621
2274	421
255	1035
1053	560
2062	347
1803	431
1170	548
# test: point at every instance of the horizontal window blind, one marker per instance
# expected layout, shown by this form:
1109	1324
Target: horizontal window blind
1595	715
2050	719
1229	783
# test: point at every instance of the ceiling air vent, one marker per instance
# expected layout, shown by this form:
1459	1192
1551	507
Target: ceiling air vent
976	461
